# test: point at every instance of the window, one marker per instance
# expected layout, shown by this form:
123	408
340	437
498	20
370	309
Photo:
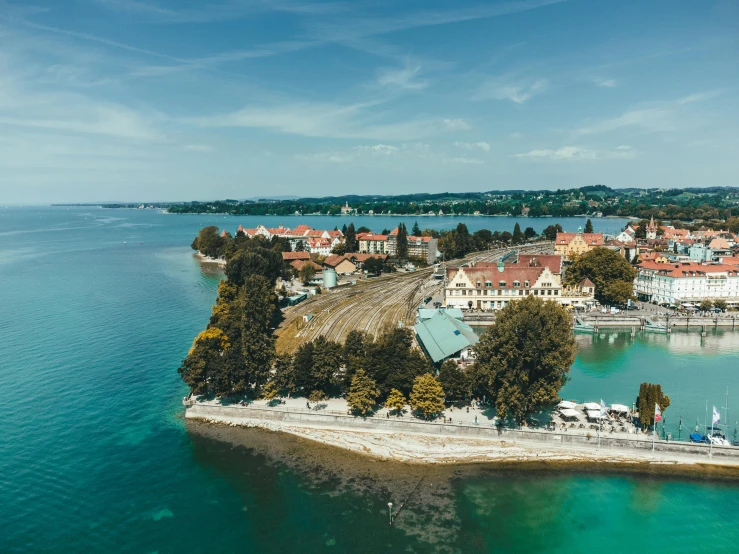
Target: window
460	285
488	284
526	283
516	283
478	284
501	284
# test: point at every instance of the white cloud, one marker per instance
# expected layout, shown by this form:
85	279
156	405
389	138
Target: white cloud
331	121
484	146
465	160
382	149
699	97
518	91
516	135
331	157
576	153
654	119
405	78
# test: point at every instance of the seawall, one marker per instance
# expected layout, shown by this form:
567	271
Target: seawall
424	442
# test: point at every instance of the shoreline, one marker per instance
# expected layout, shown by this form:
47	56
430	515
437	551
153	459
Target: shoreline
424	449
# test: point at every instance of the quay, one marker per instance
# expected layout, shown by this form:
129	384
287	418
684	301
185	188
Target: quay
417	441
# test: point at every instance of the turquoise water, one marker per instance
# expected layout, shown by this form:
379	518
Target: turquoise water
95	456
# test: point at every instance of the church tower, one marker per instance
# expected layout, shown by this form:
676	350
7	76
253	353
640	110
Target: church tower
652	229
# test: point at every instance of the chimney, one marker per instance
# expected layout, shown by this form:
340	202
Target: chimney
501	266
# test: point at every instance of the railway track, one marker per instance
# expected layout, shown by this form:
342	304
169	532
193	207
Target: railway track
372	304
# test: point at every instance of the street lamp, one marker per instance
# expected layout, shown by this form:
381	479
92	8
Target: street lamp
390	511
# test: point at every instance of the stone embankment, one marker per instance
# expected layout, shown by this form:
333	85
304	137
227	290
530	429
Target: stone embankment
416	441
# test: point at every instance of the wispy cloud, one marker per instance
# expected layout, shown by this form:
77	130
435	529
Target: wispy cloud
380	149
405	78
465	160
484	146
331	121
603	82
652	119
699	97
518	91
198	148
576	153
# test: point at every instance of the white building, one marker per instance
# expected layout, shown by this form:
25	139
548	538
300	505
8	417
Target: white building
492	286
677	283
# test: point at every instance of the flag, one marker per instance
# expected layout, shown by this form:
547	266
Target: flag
657	413
716	419
602	408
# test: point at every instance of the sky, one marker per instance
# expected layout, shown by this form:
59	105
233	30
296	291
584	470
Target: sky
167	100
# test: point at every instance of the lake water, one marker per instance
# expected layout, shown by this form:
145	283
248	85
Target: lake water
96	457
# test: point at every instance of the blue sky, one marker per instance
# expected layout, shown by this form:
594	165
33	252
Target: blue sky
179	99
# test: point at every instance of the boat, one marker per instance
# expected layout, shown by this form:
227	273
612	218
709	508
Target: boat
716	436
698	438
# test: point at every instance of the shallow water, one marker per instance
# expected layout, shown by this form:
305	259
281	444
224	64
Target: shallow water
95	455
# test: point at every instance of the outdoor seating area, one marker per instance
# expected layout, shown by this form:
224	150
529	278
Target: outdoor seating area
586	417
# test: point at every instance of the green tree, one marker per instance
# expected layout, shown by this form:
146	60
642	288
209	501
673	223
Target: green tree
364	229
374	265
270	391
518	237
204	361
258	308
720	303
416	231
257	261
610	272
650	395
317	365
401	250
589	226
350	239
529	233
284	374
307	273
354	353
427	396
524	360
208	242
453	381
393	362
706	304
551	231
396	401
363	393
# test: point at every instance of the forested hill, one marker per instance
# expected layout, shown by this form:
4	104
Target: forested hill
716	203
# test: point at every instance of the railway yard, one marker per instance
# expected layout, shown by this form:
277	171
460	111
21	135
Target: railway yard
371	304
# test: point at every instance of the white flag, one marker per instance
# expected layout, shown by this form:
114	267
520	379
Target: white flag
602	408
657	414
716	420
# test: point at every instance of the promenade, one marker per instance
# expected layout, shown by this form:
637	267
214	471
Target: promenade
412	440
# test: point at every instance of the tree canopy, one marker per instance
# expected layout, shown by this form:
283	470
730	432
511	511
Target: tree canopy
453	381
427	396
524	360
363	393
589	226
612	275
650	395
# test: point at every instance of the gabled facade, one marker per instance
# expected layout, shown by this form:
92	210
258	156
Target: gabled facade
567	244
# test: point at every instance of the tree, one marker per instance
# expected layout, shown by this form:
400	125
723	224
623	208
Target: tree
354	353
518	236
650	395
258	307
203	361
307	273
300	246
270	391
257	261
416	231
524	360
529	233
720	303
208	242
427	396
317	364
363	393
364	229
551	231
339	249
284	378
396	401
453	381
392	361
350	239
706	304
402	242
610	272
589	226
374	265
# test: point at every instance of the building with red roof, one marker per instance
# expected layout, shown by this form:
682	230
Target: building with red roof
567	244
687	282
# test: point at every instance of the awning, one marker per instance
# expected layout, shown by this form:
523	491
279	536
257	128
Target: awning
620	408
569	412
595	414
688	305
591	406
566	404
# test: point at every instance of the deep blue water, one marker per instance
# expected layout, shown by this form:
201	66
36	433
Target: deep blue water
95	456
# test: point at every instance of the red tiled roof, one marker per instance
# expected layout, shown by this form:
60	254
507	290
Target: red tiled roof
365	257
295	256
586	283
482	273
552	261
298	264
371	236
335	259
688	269
592	239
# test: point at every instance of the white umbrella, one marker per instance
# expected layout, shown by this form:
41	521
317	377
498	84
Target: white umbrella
569	412
595	414
619	408
566	404
591	406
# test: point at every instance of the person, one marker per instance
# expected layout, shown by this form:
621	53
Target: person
388	414
307	405
450	420
475	420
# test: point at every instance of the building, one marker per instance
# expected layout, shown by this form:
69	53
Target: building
627	249
341	264
690	282
491	287
719	247
652	229
320	246
371	243
290	256
346	210
700	253
418	247
443	336
567	244
552	261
